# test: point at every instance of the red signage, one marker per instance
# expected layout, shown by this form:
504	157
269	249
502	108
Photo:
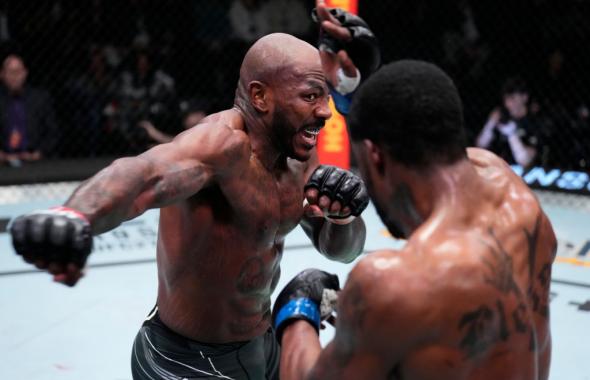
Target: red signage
333	144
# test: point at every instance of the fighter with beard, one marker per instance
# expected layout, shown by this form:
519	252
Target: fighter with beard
229	190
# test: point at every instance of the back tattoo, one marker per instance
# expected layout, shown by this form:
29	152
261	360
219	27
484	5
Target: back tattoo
494	321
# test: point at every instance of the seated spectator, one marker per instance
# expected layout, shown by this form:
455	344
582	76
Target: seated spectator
192	116
144	94
27	120
509	131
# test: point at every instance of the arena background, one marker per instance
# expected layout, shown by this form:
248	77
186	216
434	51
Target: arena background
121	75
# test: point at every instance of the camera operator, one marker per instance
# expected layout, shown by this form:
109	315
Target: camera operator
509	131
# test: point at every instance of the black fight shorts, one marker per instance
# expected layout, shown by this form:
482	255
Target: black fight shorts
160	353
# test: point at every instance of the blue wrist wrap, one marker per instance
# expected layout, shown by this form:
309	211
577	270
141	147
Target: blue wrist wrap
342	102
304	308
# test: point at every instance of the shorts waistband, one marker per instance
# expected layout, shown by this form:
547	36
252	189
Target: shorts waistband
155	324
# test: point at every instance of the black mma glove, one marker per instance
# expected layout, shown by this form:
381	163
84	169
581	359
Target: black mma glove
58	235
362	49
340	185
302	299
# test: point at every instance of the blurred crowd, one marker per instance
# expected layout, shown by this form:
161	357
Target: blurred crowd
115	77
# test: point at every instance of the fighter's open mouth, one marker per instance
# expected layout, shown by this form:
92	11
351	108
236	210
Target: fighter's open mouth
313	130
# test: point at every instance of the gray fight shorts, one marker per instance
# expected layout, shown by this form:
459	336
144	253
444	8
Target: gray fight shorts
160	353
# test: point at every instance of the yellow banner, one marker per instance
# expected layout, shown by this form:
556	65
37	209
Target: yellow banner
349	5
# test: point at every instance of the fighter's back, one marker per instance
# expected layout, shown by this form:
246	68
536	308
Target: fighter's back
467	297
219	250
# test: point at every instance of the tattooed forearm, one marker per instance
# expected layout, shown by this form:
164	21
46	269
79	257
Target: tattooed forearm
179	182
107	197
130	186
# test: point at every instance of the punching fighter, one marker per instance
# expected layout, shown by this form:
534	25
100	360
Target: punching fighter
467	297
229	190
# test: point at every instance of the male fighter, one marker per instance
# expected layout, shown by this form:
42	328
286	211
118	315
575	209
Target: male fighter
229	190
468	295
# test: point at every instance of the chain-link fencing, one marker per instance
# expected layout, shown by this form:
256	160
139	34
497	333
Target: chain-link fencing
114	77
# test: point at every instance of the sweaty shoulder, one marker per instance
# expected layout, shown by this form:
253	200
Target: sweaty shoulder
421	283
503	188
390	295
218	141
410	277
490	165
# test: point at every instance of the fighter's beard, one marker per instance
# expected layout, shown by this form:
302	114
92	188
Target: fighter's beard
281	136
284	134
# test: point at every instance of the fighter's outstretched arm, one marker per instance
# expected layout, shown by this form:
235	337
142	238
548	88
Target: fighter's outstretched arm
60	239
160	176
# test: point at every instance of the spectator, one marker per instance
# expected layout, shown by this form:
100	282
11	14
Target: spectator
191	117
145	93
27	121
509	131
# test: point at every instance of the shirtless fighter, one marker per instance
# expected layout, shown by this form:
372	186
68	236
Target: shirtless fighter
229	190
467	296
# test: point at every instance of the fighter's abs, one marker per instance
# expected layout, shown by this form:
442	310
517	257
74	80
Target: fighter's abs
219	261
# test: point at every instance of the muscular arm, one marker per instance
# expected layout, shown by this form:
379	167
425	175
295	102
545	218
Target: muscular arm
337	242
161	176
342	243
370	338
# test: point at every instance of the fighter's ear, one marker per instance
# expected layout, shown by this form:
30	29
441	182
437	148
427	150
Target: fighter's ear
376	155
259	96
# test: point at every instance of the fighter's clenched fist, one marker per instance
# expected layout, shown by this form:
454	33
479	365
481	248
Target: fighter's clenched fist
58	240
301	299
336	193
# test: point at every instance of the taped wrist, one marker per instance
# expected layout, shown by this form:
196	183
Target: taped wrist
347	84
341	221
67	212
297	309
341	102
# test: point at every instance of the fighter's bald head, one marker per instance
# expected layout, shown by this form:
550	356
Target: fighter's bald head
276	55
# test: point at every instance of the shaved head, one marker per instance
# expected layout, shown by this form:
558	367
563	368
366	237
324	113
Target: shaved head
282	94
275	56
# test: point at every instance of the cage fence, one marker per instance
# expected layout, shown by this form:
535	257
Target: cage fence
116	77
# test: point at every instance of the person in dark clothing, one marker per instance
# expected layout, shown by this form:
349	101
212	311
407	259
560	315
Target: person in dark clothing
27	120
509	131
